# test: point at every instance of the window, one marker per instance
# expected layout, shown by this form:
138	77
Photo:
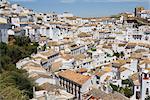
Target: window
147	91
138	95
97	82
91	82
145	75
97	77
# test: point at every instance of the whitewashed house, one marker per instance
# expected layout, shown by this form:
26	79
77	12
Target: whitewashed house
75	83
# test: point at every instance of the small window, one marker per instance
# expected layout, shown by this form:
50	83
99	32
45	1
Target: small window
97	77
137	95
145	75
97	82
147	91
91	82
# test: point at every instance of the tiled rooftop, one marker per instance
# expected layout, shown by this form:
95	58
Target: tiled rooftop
73	76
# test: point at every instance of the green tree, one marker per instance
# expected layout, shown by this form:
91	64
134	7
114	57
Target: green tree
4	61
93	49
14	83
127	82
14	52
22	40
3	48
18	80
11	93
44	47
128	92
116	54
114	87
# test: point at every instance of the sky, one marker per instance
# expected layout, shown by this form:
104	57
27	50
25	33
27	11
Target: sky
84	8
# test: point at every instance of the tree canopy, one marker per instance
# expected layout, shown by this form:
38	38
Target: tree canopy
14	83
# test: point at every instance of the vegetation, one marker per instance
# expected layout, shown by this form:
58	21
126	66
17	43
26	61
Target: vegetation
44	47
127	82
11	93
114	87
93	49
15	82
127	91
108	55
118	54
118	33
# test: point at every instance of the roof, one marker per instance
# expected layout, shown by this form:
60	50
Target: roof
145	61
121	69
35	26
73	76
54	91
39	75
136	55
53	43
107	46
107	69
140	50
80	57
100	73
121	44
107	78
33	66
56	66
135	78
82	70
48	53
83	34
137	82
118	63
131	45
71	18
97	94
50	87
43	38
75	46
41	58
145	11
66	56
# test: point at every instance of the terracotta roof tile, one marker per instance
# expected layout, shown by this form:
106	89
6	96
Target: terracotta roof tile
82	70
73	76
